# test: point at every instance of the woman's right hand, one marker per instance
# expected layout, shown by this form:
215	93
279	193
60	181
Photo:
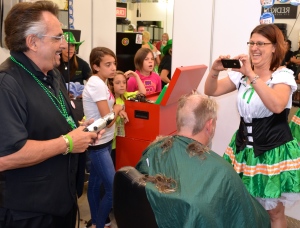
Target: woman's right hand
214	86
217	64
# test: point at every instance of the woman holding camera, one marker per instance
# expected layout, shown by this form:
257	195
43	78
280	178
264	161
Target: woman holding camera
262	151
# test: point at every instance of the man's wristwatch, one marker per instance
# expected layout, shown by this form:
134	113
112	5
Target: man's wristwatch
67	143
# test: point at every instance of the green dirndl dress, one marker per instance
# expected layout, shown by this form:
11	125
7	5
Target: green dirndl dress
273	176
295	125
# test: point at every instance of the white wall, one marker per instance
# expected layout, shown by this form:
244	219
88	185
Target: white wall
97	24
104	23
231	33
194	43
84	23
4	53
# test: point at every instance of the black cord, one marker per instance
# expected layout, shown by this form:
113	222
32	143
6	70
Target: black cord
293	25
1	22
68	70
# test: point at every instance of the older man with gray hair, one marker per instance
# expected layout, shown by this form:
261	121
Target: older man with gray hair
41	153
209	192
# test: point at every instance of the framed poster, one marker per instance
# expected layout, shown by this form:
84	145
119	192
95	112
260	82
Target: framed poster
282	11
5	6
62	4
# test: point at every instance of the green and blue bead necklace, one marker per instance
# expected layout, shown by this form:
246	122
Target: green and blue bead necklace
57	101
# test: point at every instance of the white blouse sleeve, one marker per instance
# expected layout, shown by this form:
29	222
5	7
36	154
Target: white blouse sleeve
284	76
235	77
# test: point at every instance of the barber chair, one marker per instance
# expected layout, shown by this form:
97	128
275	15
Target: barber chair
130	203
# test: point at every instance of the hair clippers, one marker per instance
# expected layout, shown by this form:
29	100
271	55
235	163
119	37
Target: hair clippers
100	123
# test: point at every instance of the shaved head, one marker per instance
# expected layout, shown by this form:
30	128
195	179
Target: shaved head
194	111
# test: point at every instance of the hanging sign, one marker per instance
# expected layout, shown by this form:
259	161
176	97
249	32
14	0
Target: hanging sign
282	11
267	3
121	12
267	18
295	2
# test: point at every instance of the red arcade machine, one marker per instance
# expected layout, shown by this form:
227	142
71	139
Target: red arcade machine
147	120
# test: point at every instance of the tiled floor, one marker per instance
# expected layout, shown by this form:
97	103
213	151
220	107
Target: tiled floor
85	210
292	223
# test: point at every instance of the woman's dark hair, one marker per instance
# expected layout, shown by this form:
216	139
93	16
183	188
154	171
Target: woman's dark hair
97	54
73	66
140	56
24	19
274	34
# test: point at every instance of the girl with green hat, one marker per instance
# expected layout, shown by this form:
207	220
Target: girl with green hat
72	67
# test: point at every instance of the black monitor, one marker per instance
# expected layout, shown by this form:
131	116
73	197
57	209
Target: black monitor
128	43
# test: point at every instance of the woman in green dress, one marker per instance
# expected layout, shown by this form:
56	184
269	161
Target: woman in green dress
263	151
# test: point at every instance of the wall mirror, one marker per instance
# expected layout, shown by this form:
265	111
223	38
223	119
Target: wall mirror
155	15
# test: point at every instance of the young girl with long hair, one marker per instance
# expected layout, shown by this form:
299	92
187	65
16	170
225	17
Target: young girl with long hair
71	63
144	65
98	101
118	86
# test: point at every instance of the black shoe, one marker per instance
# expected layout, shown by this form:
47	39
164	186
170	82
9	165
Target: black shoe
107	222
89	224
86	177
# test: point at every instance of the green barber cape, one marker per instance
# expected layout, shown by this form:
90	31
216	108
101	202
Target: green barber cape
209	191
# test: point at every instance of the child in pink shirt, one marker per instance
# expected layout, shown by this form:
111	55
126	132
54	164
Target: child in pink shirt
144	65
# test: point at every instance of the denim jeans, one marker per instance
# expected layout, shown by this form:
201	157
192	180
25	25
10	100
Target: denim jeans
102	172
